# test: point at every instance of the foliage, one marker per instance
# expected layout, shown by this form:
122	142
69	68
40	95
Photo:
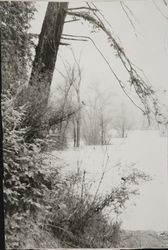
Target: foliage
62	205
16	42
143	89
81	219
26	180
33	192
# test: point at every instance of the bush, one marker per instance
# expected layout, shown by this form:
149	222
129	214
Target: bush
80	219
39	197
25	177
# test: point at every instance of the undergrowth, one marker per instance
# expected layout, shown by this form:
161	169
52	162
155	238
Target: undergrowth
42	204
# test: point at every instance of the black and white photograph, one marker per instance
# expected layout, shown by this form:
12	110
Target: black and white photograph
84	106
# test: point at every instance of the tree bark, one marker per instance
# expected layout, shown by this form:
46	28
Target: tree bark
44	64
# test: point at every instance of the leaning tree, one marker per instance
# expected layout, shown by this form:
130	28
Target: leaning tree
51	37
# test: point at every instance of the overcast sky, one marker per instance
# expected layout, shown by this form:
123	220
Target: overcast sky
147	49
146	46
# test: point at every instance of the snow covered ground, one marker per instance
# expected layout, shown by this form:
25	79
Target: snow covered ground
144	150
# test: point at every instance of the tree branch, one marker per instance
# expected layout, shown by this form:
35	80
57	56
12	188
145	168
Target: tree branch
82	8
119	81
73	39
64	44
127	15
143	91
160	11
73	20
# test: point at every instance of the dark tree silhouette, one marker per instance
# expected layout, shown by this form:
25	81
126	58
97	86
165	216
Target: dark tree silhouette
44	64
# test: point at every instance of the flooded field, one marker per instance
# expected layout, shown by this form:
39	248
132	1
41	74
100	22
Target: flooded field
143	150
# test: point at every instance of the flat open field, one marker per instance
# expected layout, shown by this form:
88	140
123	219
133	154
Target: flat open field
144	150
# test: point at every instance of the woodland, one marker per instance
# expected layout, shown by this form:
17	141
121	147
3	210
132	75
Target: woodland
44	207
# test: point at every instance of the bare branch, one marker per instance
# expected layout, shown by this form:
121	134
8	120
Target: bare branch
102	176
82	8
101	14
143	91
165	2
55	119
64	44
127	15
73	20
61	73
119	81
160	11
73	39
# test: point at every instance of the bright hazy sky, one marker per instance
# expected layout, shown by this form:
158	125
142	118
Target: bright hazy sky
148	48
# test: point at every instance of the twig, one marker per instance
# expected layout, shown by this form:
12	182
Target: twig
101	14
143	91
102	176
165	2
64	44
82	8
160	11
80	40
119	81
129	19
73	20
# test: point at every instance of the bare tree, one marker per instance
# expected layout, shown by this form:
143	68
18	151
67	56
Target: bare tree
66	92
71	100
77	86
46	54
122	122
97	117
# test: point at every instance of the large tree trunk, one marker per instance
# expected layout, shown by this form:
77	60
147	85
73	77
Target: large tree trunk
44	64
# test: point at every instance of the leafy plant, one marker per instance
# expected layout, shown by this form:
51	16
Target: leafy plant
81	219
25	177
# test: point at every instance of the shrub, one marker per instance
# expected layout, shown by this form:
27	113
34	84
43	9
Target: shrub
35	193
25	177
82	220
